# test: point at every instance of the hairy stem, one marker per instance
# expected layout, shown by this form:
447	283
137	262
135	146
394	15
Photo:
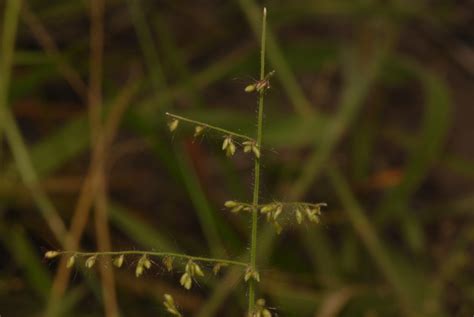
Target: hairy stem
153	253
256	188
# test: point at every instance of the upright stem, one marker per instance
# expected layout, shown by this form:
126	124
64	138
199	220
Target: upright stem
256	188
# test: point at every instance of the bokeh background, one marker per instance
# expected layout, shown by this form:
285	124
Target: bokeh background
370	111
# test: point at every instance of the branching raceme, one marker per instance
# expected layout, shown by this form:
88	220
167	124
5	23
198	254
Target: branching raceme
230	138
143	260
277	210
276	213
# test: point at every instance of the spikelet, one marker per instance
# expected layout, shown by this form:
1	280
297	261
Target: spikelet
90	261
173	125
118	261
51	254
71	261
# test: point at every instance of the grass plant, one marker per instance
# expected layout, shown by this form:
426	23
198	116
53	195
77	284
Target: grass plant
273	211
359	115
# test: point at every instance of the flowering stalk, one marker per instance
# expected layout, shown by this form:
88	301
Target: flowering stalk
175	120
256	188
275	212
120	254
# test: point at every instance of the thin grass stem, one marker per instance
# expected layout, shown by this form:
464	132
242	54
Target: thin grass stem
224	131
285	204
153	253
256	188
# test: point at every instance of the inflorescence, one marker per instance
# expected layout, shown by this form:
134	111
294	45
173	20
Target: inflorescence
231	139
275	212
192	269
302	211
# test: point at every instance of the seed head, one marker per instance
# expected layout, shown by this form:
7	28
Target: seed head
250	88
51	254
147	264
251	146
186	281
312	214
198	130
268	208
277	211
251	273
139	270
247	146
299	216
118	261
236	209
173	124
171	306
260	310
231	204
91	261
168	263
71	261
198	270
228	146
193	269
143	263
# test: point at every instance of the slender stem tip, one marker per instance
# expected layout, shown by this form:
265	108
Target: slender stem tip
264	11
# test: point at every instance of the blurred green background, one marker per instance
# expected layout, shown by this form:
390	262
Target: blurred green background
370	111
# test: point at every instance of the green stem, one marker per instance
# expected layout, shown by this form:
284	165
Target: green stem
256	188
227	132
152	253
278	60
284	203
